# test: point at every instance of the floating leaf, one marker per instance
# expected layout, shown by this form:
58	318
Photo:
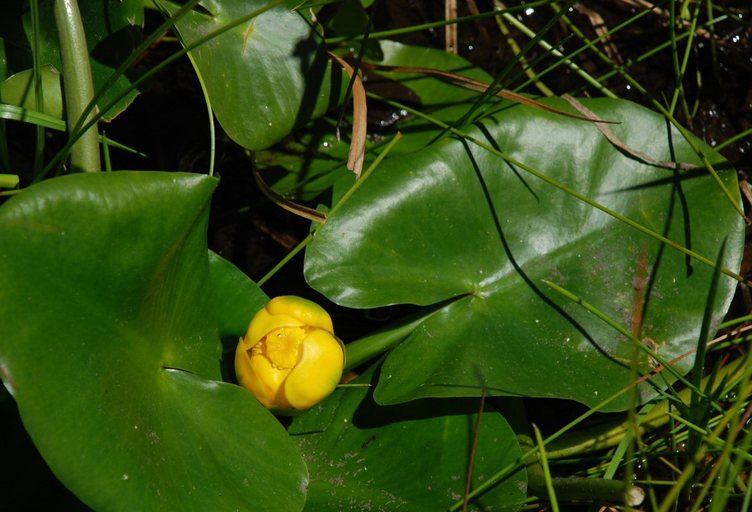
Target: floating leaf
110	347
363	456
264	77
456	222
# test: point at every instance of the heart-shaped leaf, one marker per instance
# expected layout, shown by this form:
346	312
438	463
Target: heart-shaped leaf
456	222
362	456
264	77
111	349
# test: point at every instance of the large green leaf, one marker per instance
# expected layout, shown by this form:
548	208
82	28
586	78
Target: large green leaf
362	456
264	77
455	222
110	347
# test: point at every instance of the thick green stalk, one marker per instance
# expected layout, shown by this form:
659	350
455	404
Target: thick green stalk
365	349
77	84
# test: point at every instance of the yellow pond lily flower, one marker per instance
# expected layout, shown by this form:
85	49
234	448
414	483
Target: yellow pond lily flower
290	358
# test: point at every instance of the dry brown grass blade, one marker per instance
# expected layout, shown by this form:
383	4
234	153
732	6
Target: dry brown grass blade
357	153
600	28
616	141
290	206
475	85
450	31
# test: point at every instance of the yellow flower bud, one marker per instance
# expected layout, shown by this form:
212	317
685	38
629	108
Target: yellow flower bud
290	358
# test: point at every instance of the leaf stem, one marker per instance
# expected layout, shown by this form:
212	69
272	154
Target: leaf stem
210	113
542	466
77	83
135	55
567	443
368	347
290	255
36	35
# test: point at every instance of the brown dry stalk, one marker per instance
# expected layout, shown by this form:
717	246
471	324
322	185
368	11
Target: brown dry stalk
357	154
616	141
475	85
286	204
450	31
600	28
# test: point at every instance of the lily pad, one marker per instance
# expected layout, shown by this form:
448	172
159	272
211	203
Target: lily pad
457	223
111	349
264	77
362	456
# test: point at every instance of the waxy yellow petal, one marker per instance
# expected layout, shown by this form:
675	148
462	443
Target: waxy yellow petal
306	312
264	323
317	373
289	358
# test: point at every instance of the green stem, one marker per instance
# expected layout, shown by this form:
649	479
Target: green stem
210	113
519	55
37	79
541	466
568	443
698	456
77	83
556	53
302	245
9	180
606	436
364	349
541	483
729	141
388	34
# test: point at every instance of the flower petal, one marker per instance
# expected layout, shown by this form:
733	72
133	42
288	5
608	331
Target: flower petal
318	372
257	374
304	311
264	323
